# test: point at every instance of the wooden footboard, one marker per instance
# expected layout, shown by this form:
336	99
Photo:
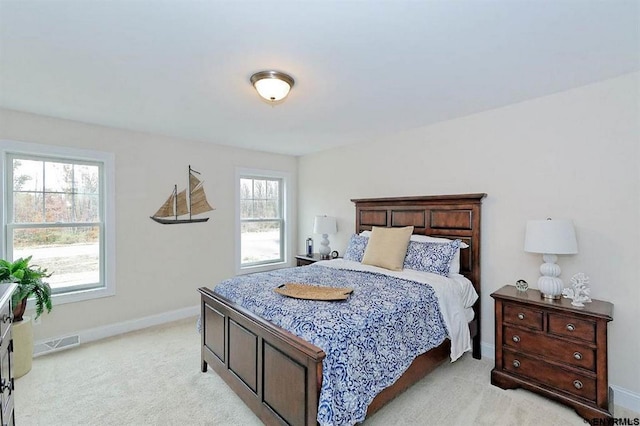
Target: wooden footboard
276	373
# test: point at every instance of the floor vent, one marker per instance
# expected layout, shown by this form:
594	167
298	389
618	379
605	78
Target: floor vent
55	345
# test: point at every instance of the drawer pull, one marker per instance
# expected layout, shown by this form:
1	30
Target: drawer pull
516	364
520	316
577	355
571	327
577	384
516	338
6	318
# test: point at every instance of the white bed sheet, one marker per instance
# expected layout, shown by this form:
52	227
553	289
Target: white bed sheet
455	295
469	314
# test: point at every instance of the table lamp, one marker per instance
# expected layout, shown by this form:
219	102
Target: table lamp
550	237
325	225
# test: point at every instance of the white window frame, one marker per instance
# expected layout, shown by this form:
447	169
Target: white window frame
107	190
287	205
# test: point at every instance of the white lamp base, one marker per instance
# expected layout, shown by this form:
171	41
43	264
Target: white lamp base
324	247
549	284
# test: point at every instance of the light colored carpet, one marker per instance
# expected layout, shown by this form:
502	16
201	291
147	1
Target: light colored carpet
152	377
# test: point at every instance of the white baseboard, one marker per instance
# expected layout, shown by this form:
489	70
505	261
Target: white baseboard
487	350
92	334
625	398
621	396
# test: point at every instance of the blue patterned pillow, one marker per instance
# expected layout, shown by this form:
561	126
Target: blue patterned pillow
431	257
355	248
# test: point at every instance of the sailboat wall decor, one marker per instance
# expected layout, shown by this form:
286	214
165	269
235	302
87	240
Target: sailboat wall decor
191	201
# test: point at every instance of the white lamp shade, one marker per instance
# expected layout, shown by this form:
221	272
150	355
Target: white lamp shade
272	89
325	225
556	236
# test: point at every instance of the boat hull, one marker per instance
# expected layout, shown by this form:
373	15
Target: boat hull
177	221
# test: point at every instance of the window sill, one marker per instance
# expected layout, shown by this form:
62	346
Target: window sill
75	296
262	268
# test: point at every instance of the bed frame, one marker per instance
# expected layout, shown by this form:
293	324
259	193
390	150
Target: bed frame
277	374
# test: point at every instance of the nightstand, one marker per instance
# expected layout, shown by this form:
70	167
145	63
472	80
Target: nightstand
303	259
554	349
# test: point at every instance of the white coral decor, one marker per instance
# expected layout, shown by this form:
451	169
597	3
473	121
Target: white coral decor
579	290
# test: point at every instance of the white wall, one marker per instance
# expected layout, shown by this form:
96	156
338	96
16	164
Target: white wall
570	155
158	267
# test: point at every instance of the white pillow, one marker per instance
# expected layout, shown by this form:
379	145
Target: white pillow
428	239
454	268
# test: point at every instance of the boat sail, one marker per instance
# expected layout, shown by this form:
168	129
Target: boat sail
189	201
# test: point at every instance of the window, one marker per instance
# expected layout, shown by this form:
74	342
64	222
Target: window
262	225
59	211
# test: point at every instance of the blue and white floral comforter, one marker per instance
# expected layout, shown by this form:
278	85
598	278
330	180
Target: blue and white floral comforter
369	340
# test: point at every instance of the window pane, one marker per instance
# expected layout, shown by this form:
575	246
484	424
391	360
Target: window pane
87	179
87	208
246	209
272	209
58	208
259	209
246	189
58	177
72	254
273	189
27	207
259	189
27	175
260	242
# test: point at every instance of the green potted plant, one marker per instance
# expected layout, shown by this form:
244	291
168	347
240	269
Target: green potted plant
30	284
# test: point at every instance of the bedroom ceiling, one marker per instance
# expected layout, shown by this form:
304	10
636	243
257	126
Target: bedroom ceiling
362	69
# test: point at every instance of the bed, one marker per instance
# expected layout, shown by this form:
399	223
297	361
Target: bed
280	375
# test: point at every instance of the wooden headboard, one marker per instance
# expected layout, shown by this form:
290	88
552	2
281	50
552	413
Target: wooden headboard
449	216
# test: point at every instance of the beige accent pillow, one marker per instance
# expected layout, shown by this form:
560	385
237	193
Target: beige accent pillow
387	247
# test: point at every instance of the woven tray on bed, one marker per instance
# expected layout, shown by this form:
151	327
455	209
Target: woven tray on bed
313	292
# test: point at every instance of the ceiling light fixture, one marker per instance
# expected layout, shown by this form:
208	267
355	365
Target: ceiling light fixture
273	86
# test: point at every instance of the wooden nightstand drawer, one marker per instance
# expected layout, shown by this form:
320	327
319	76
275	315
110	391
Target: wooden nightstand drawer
572	327
535	343
304	260
542	372
522	316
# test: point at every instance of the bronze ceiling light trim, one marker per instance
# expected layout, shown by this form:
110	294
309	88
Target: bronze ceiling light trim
273	86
